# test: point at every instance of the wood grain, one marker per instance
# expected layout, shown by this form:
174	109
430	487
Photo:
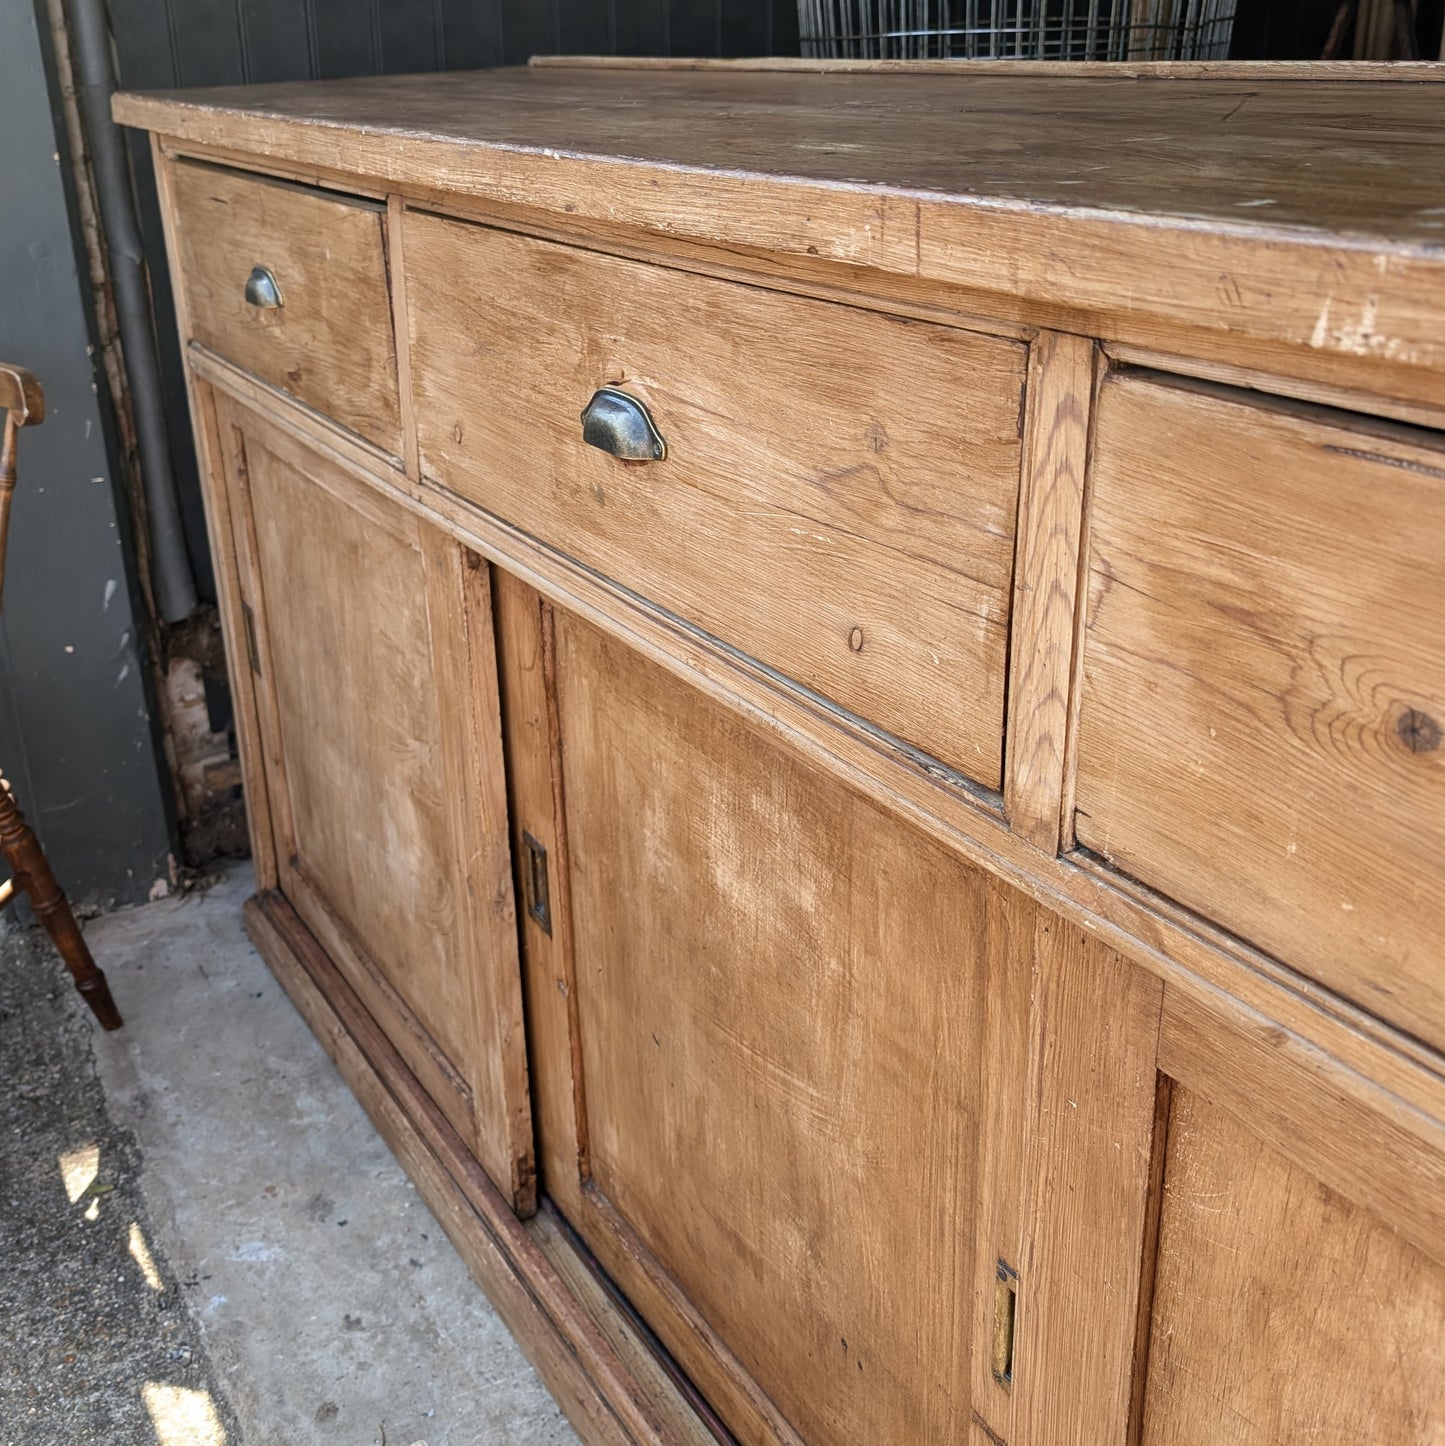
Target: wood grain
396	287
21	395
781	1052
327	647
1329	1121
468	709
1331	377
216	498
818	1039
1155	933
899	131
220	498
1283	1313
1252	214
1262	729
1271	71
358	458
729	260
748	1415
999	1185
330	342
1422	413
546	956
394	844
850	488
1091	1093
1046	575
680	1422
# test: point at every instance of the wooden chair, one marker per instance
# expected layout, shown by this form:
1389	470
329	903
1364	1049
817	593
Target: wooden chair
23	403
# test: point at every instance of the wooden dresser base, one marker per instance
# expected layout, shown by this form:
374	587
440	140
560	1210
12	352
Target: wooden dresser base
584	1348
1068	1066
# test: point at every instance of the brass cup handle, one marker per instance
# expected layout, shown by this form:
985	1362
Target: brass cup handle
263	290
619	424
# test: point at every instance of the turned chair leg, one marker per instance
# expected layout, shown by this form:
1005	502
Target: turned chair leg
23	402
30	871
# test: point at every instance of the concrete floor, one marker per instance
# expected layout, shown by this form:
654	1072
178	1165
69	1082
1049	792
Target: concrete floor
278	1281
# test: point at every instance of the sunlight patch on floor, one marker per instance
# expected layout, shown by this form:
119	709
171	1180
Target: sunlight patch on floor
141	1254
183	1417
78	1168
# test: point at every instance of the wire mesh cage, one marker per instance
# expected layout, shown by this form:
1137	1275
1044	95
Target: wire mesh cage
1016	29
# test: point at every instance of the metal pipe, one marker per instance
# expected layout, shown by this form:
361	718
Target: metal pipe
171	576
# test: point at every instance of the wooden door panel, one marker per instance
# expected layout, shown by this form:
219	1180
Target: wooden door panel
1283	1312
358	714
383	732
778	996
1229	1238
1295	1276
820	1096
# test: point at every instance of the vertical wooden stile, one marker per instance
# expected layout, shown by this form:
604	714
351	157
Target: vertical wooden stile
459	608
999	1179
563	903
1092	1096
546	963
1045	589
395	229
243	522
220	528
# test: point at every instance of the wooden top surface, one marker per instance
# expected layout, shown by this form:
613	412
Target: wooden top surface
1244	206
1342	157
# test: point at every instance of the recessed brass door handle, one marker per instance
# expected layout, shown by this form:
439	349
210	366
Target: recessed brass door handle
262	289
619	424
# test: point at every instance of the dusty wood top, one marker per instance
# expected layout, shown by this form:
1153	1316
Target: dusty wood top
1006	179
1354	158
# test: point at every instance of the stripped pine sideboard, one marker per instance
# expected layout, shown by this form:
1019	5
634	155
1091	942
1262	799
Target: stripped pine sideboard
840	671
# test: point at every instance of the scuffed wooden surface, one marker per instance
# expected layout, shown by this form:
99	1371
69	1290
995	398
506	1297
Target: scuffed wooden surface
1335	156
1283	1314
391	816
330	343
855	461
780	999
1294	224
1260	733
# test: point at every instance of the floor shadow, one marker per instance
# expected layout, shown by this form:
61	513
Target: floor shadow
96	1348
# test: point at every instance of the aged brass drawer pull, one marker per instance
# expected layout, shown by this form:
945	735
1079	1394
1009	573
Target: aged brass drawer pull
262	290
619	424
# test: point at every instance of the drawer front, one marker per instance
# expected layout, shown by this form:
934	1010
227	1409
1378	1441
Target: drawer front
330	341
1260	731
839	488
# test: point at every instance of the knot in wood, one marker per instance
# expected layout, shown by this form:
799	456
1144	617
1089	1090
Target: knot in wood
1418	731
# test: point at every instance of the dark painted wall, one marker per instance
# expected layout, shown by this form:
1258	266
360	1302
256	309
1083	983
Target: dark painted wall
75	736
160	44
217	42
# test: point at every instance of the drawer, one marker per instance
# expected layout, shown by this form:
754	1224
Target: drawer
1260	729
839	488
330	341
